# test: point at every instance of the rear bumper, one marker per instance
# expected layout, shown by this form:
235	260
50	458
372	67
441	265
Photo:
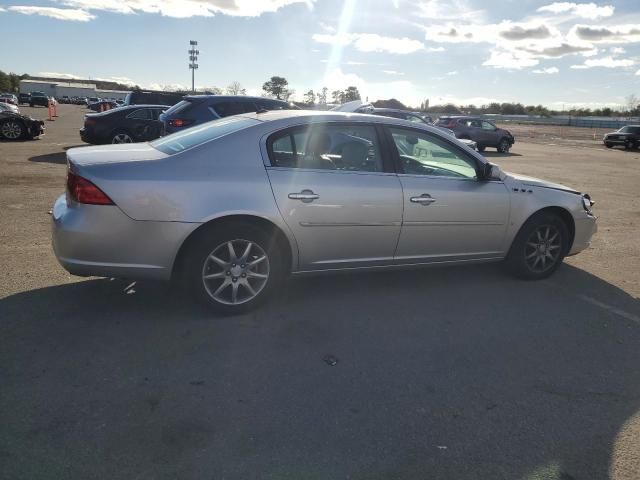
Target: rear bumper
87	137
99	240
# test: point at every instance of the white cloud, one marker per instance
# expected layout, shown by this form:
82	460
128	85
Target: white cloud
435	49
618	51
3	9
447	10
371	42
584	10
452	73
605	62
547	71
67	76
392	72
350	62
71	14
510	60
606	34
186	8
638	72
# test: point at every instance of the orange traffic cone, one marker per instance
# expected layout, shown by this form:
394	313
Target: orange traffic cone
55	110
49	109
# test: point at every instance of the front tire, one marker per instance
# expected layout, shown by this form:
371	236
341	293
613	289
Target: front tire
608	145
12	130
234	269
481	148
121	136
504	146
539	248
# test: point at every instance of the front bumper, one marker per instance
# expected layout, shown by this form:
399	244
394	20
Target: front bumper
101	240
585	228
36	128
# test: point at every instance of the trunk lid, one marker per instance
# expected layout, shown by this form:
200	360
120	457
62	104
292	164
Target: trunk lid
110	154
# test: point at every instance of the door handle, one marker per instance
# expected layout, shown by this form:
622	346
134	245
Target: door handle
424	199
307	196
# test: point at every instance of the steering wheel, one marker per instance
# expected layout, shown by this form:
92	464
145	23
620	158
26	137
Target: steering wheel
411	165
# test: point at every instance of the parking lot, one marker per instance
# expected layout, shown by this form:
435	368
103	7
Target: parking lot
459	373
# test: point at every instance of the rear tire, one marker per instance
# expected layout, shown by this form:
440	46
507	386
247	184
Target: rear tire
233	283
539	248
608	145
121	136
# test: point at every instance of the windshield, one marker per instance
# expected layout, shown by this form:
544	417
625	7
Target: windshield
629	129
200	134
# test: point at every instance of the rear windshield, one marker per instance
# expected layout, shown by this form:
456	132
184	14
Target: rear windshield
179	107
200	134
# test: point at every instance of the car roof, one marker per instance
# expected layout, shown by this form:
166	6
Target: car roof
393	110
233	97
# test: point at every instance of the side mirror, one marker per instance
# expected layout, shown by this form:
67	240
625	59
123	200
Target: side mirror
491	172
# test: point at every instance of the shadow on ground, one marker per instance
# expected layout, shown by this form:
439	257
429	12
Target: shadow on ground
489	154
457	373
59	158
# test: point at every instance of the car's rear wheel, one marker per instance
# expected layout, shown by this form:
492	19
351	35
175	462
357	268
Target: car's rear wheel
12	130
629	144
504	146
235	269
539	247
608	145
121	136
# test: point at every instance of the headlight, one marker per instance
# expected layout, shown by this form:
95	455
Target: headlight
587	203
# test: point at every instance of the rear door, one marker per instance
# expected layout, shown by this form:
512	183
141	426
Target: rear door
337	193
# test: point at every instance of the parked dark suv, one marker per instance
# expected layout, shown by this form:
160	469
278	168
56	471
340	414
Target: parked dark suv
135	123
481	131
627	137
196	109
24	98
38	98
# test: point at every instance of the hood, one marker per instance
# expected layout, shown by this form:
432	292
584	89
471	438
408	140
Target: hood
128	152
536	182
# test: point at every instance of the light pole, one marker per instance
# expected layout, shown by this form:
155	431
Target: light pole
193	66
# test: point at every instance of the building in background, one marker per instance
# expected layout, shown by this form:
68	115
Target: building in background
69	89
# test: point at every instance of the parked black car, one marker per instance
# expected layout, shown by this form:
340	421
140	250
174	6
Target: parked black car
24	98
402	114
15	126
38	98
153	98
134	123
628	137
480	130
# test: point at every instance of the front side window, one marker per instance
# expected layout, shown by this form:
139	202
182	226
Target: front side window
488	126
351	148
425	154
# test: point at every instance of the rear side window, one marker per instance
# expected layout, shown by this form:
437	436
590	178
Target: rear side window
352	148
228	108
200	134
141	114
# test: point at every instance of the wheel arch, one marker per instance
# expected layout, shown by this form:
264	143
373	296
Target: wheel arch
563	214
281	238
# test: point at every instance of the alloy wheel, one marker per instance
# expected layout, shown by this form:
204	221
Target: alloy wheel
543	248
11	130
235	272
122	138
504	146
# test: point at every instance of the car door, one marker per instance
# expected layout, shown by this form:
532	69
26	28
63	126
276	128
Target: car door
490	135
337	193
449	214
143	124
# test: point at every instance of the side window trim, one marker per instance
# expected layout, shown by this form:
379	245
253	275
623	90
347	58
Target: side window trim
396	156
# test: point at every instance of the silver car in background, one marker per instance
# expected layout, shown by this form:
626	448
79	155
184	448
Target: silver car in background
231	207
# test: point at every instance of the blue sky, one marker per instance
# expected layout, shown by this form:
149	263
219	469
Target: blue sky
462	51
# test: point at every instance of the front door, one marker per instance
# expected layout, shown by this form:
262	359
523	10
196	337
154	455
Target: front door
334	192
449	214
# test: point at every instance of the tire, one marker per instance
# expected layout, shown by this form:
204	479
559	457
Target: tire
608	145
539	248
504	146
12	130
31	105
629	145
121	136
209	256
481	148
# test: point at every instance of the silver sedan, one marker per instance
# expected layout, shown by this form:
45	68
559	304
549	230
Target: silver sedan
231	207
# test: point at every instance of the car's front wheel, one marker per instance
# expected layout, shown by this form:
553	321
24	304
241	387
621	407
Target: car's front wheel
235	269
12	130
608	145
504	146
539	247
481	148
629	145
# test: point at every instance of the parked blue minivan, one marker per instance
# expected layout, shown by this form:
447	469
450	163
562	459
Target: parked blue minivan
196	109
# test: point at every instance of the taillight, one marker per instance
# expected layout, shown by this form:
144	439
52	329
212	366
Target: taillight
451	124
89	121
82	190
180	122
